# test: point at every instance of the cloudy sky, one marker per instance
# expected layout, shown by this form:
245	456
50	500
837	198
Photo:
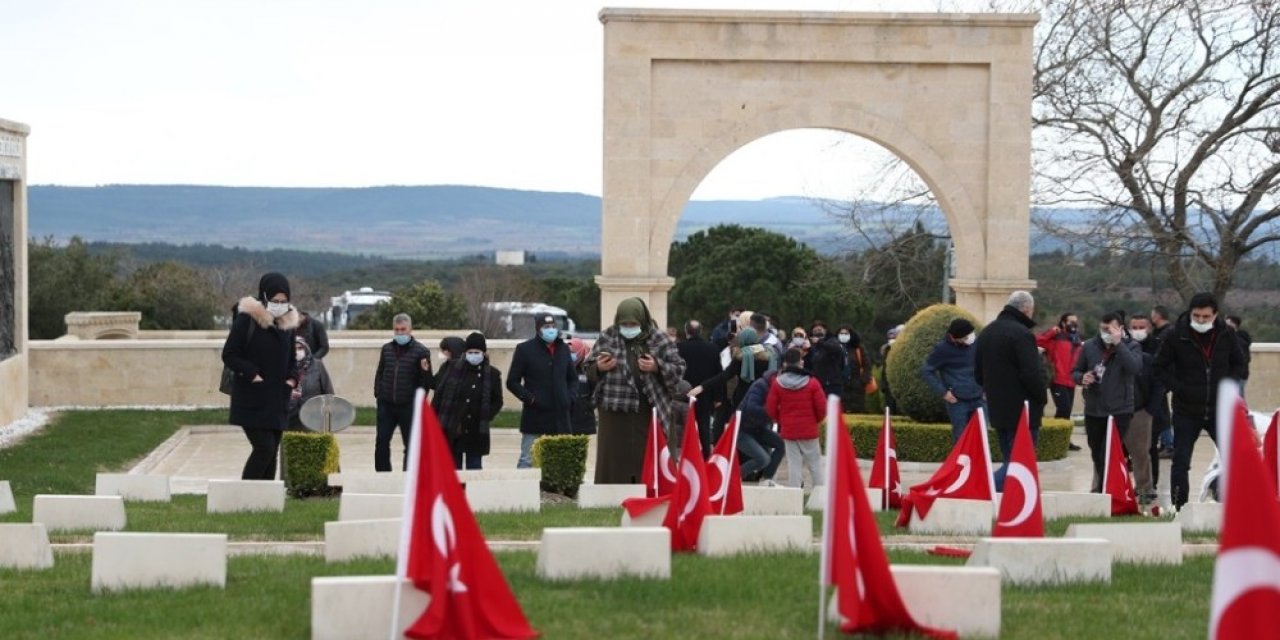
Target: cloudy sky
500	93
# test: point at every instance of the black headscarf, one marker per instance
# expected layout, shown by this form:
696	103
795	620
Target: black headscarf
272	284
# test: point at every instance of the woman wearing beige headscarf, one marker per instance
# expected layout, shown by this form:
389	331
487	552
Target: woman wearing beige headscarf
636	369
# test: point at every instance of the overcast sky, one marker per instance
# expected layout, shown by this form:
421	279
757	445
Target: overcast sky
502	93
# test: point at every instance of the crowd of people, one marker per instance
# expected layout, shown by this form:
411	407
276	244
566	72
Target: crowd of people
747	366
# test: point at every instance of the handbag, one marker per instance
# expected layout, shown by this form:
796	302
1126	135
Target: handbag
870	387
228	374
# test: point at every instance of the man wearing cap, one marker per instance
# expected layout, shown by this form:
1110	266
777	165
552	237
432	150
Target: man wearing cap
949	372
542	377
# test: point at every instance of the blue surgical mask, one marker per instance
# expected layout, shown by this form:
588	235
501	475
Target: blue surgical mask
474	359
630	333
549	334
403	339
573	357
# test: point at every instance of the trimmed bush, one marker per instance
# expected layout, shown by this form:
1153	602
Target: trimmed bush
307	460
908	354
563	460
931	442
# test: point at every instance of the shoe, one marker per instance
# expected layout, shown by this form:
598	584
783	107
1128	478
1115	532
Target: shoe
767	482
1071	446
1165	453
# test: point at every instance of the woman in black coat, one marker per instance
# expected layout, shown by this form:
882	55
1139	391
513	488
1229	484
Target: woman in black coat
468	396
259	350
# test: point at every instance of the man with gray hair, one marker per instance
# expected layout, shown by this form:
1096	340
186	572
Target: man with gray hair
1007	365
404	366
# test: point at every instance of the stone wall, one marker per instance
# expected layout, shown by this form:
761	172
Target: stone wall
13	272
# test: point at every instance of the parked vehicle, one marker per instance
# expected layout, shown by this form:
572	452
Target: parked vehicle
344	309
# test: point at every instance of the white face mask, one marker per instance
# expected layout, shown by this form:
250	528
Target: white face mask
1201	327
630	333
277	309
300	355
971	338
798	342
844	338
1106	337
474	359
1139	334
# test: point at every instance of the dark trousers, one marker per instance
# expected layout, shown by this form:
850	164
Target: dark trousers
1005	439
472	460
391	415
1186	430
261	464
1095	430
703	412
1063	399
761	451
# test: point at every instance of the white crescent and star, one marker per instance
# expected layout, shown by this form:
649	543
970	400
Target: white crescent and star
721	464
695	487
1030	494
966	468
1238	572
446	539
664	463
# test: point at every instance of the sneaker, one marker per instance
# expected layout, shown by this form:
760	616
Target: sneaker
1071	446
767	482
1165	453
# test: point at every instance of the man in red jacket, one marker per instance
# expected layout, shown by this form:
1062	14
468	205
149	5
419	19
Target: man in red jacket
1061	346
796	402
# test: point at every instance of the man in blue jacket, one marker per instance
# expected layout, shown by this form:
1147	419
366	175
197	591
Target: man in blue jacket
543	377
949	372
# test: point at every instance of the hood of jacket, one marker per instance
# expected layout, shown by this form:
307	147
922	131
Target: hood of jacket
793	379
256	310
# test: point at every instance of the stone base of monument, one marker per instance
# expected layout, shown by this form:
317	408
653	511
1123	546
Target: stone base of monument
607	496
352	539
818	499
74	513
489	496
133	487
605	552
1062	504
487	475
1136	542
7	505
236	496
369	506
650	518
1204	517
1045	561
25	546
158	560
772	501
739	534
955	517
359	607
962	599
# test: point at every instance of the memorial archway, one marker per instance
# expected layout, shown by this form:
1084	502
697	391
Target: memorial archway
949	94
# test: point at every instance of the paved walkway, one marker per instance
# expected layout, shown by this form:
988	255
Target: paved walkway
199	453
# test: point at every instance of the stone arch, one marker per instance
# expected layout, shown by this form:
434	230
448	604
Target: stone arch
948	93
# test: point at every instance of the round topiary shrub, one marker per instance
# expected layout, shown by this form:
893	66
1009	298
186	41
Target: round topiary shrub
908	354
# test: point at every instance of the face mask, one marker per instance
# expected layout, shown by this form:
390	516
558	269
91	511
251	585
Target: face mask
403	339
844	338
797	342
474	359
1106	337
549	334
630	333
1201	327
300	355
1139	334
971	338
573	357
1071	328
819	337
277	309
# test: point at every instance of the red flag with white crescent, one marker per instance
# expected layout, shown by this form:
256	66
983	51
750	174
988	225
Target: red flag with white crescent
1116	480
1271	453
690	502
659	472
723	474
1020	513
1246	575
965	474
884	469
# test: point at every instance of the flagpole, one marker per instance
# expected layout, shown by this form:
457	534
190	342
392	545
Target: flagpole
657	455
986	447
824	571
733	454
1106	465
407	511
885	429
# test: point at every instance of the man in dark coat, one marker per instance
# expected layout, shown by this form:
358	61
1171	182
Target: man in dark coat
827	359
404	366
1008	366
542	377
702	362
259	350
1194	357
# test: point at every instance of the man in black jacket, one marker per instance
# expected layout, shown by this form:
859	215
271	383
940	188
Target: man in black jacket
1008	366
543	377
826	358
702	362
1194	357
404	366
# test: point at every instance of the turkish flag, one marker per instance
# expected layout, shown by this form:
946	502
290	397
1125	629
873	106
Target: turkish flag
659	473
1271	453
965	474
690	502
1116	480
442	550
1246	575
723	475
884	469
1020	514
853	558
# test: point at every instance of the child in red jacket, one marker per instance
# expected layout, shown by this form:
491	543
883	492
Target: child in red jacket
796	402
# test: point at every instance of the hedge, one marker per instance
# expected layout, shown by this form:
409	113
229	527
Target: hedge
307	460
563	460
931	442
908	354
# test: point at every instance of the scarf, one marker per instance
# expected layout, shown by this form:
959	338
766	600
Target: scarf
448	393
750	343
622	389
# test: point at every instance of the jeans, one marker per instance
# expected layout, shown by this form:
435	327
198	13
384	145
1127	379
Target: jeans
806	453
391	415
1004	437
1064	398
1186	430
472	460
261	464
1095	430
959	413
761	451
526	450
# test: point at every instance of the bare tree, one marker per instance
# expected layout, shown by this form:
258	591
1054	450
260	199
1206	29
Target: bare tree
1166	115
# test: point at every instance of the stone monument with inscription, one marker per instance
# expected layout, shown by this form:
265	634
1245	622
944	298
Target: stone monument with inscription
13	271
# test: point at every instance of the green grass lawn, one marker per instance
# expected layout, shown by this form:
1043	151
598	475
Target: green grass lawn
772	596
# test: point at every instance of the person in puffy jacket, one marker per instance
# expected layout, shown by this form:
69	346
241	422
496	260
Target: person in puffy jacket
404	366
796	402
760	446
